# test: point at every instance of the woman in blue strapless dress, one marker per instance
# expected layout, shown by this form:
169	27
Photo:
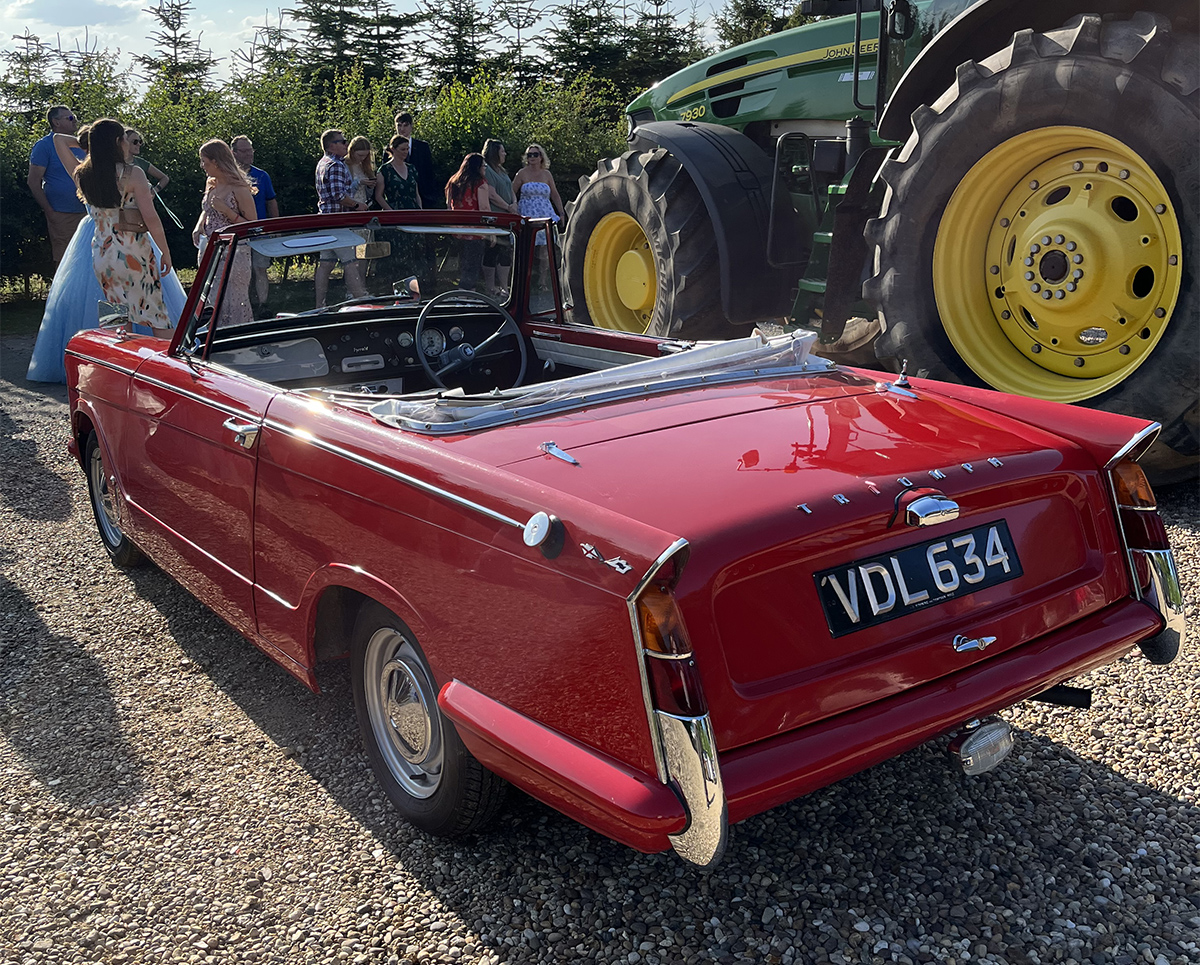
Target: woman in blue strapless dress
72	303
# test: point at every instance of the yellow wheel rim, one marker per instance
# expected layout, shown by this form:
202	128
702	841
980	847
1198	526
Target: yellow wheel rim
619	275
1057	264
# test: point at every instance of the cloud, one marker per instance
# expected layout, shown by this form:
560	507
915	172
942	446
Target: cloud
72	13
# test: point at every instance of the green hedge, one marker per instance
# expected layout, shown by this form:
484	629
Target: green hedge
284	117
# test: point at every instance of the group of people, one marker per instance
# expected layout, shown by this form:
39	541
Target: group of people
108	243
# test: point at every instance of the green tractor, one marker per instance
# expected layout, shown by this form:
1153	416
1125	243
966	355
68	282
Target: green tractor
1001	193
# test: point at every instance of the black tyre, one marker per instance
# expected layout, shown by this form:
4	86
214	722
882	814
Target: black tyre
102	493
640	251
417	755
1039	229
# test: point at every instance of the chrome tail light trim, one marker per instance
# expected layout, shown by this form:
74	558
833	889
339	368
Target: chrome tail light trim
1138	444
685	748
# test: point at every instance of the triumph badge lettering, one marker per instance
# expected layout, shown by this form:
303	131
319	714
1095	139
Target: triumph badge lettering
871	591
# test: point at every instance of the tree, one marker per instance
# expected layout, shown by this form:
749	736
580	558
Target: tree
328	29
383	37
271	49
28	87
458	32
519	16
588	39
741	21
659	45
181	67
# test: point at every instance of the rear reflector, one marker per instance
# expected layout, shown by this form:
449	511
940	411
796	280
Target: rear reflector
982	747
1131	486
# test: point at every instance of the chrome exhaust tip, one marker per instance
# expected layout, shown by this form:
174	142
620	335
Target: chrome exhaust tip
981	745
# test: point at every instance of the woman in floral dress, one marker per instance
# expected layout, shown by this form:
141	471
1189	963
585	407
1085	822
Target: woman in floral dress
228	200
119	199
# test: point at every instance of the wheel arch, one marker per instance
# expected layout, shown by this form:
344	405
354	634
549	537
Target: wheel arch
332	600
733	176
986	27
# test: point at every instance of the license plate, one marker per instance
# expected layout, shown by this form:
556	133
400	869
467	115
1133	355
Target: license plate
872	591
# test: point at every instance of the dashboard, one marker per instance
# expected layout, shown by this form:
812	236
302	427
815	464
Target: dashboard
376	356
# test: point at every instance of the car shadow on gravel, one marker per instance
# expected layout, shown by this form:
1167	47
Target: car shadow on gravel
26	485
1041	845
58	713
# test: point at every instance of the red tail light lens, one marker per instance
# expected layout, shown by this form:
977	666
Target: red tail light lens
674	681
675	686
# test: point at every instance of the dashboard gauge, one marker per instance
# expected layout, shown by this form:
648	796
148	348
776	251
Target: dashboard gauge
433	342
405	339
456	334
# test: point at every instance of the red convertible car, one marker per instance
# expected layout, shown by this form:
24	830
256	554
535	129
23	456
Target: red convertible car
660	585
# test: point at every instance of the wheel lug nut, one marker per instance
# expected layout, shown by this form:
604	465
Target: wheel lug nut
1124	350
1160	313
1124	175
1071	246
1078	259
1004	222
1173	260
1070	286
1160	209
1029	262
1059	239
1035	348
1047	294
1078	362
1077	166
1077	273
1060	294
1046	239
1034	249
1035	288
1029	276
1006	314
1033	185
995	269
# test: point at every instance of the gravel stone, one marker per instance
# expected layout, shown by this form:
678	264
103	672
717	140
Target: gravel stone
168	794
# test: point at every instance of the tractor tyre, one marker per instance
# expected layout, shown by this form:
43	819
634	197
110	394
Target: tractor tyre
640	251
1039	229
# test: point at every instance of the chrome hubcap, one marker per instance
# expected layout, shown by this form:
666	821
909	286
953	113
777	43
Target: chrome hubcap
102	496
402	704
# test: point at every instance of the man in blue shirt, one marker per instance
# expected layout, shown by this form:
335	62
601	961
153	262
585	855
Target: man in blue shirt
264	204
52	187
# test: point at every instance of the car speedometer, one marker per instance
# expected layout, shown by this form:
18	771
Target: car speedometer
433	342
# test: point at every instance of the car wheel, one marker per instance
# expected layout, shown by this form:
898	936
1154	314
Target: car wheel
417	755
641	252
1038	232
102	491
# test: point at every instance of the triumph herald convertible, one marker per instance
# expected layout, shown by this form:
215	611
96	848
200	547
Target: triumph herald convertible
660	585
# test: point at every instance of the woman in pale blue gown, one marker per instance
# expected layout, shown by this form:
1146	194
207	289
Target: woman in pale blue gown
75	294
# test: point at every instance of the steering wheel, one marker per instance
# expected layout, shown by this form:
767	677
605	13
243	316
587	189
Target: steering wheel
464	353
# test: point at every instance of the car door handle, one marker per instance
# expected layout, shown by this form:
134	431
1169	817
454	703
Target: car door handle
245	434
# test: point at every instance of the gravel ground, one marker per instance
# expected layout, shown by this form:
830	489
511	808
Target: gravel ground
169	794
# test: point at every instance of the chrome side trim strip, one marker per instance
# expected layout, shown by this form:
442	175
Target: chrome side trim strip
394	474
639	647
1165	593
691	751
95	361
1146	436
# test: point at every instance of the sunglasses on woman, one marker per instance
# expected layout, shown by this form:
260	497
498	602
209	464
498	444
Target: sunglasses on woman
534	154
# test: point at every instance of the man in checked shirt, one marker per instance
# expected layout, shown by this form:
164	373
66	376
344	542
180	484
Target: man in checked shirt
333	195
